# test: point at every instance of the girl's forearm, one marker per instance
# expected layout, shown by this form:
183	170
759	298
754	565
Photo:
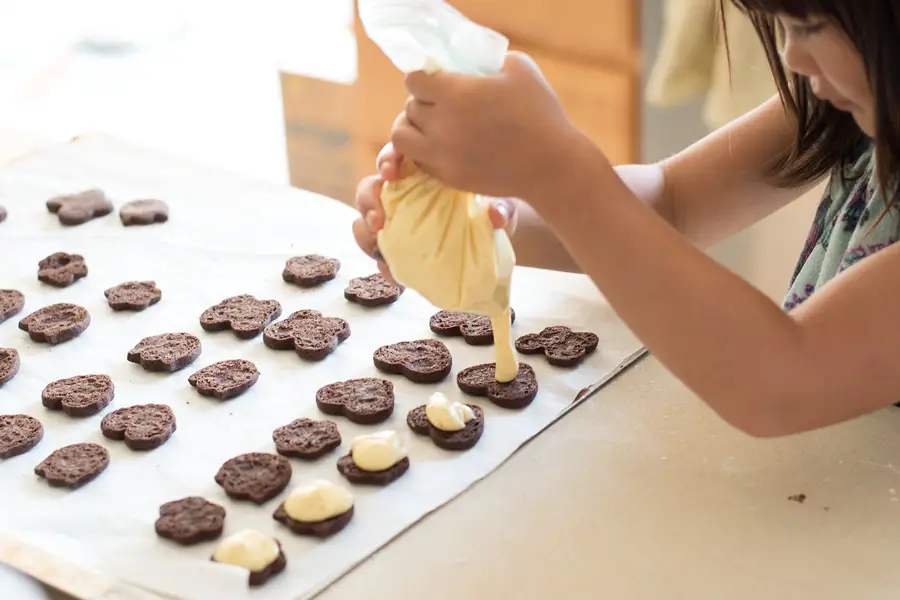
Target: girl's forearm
537	246
726	340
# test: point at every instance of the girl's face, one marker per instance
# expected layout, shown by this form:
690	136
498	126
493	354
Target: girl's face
819	51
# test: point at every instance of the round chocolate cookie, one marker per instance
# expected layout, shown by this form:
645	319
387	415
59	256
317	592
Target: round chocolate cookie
480	380
166	353
11	303
56	323
256	476
142	426
373	290
75	209
321	529
562	346
133	295
3	214
9	364
463	439
244	315
310	334
61	269
144	212
366	401
310	270
421	361
306	438
80	396
190	521
476	330
225	379
258	578
19	434
73	466
354	474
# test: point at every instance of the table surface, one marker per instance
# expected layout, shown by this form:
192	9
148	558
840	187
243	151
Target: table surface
643	492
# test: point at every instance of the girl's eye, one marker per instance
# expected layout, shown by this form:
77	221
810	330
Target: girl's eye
806	30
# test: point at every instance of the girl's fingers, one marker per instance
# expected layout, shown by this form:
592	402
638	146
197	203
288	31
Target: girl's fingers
368	201
502	213
409	141
365	237
418	113
386	273
388	162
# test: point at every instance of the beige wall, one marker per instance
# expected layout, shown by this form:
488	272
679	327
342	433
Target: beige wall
764	254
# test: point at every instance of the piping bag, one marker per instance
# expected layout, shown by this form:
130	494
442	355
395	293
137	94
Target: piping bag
437	240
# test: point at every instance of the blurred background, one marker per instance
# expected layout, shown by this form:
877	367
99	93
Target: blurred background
285	92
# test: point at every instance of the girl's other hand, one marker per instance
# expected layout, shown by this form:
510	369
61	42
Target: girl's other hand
368	201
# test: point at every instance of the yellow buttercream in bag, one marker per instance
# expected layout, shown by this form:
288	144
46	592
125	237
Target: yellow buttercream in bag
440	242
437	240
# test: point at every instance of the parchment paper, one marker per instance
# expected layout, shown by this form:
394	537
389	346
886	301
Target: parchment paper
228	236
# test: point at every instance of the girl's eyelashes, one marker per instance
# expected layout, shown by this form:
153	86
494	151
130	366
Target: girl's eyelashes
805	30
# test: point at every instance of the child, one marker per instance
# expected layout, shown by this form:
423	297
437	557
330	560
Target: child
830	353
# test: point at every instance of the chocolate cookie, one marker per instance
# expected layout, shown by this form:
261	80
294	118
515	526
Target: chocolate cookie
256	476
562	346
310	270
19	434
244	315
75	209
3	214
480	380
448	440
373	290
309	333
73	466
133	295
354	474
11	303
80	396
476	330
225	379
56	323
321	529
306	439
258	578
61	269
9	364
366	401
420	361
144	212
190	521
142	426
166	353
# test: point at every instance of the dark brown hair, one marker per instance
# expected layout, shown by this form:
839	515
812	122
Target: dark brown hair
828	138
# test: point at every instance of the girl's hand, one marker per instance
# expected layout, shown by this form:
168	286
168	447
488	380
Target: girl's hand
502	212
501	136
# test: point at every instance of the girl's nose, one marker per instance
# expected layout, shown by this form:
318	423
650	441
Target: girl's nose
798	60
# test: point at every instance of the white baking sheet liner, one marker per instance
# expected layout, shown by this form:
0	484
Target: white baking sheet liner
229	236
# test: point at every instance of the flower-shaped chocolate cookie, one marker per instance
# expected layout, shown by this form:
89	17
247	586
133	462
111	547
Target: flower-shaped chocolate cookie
481	380
244	315
312	335
562	346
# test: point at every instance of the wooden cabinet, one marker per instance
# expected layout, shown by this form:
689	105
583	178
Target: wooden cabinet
605	32
588	50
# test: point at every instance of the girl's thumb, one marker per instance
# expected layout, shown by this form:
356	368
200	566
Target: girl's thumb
503	214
